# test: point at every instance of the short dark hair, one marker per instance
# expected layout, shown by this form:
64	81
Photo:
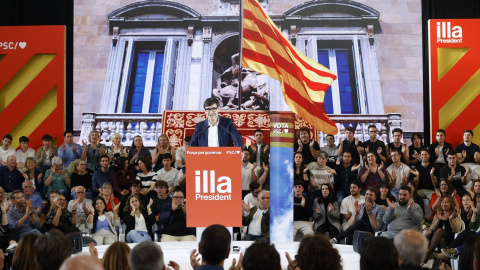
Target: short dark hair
261	255
425	149
67	131
12	195
442	131
7	136
23	139
253	186
211	101
371	126
379	253
451	153
146	255
469	131
407	188
416	134
356	183
316	252
54	242
350	128
305	129
397	130
105	156
47	137
135	182
187	138
167	156
374	190
298	183
258	130
162	183
215	244
398	151
330	135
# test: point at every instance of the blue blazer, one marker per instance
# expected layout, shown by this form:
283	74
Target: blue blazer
227	133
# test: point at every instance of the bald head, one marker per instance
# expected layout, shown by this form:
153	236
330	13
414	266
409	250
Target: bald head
80	262
411	246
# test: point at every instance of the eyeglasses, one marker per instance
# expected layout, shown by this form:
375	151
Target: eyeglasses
175	197
80	192
211	109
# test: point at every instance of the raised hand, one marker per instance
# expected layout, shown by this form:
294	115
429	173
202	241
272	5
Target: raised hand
332	171
379	150
357	206
254	165
64	147
194	260
404	149
291	263
330	207
411	202
173	265
254	148
157	217
75	204
91	208
356	142
235	265
116	208
6	205
150	203
391	204
439	194
464	153
303	201
368	206
93	250
174	205
265	149
311	143
319	211
437	150
367	149
355	167
394	175
432	170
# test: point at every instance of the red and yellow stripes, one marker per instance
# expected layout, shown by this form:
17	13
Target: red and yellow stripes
304	82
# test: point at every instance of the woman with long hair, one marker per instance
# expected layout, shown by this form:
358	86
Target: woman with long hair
445	224
414	149
23	258
162	147
385	194
326	213
445	189
116	151
137	152
299	173
122	178
116	256
147	177
33	175
138	220
81	177
475	192
93	151
372	174
102	223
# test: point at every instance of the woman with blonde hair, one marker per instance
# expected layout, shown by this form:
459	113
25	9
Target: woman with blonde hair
33	175
116	256
23	258
81	177
163	146
93	152
116	150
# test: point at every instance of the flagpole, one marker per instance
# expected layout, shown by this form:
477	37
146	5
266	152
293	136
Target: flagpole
240	57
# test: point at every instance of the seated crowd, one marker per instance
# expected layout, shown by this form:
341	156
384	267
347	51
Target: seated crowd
338	189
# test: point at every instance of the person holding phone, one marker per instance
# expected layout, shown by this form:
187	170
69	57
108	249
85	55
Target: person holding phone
57	178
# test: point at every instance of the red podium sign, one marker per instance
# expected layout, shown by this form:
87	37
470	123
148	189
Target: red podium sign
214	186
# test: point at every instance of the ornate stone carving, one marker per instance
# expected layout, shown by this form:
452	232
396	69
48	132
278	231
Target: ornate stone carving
190	35
115	32
207	34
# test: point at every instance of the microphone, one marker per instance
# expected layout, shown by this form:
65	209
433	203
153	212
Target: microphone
199	134
235	143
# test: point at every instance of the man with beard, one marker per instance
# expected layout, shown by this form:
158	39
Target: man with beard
404	214
309	148
348	204
368	216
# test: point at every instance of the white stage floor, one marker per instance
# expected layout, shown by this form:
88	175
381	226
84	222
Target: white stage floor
180	253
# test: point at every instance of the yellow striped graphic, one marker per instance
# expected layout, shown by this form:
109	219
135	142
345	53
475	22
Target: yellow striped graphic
23	77
462	98
36	116
447	58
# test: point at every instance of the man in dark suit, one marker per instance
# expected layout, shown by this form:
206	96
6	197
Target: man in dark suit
215	130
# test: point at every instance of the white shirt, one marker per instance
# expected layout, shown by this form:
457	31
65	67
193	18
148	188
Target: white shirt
246	176
348	204
213	134
5	153
180	154
140	223
171	177
255	226
21	156
249	199
400	172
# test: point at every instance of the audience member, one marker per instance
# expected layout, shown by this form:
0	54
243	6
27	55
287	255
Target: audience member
148	255
414	149
169	174
368	217
398	172
258	218
44	155
416	198
138	220
259	151
332	150
116	256
425	175
69	151
27	188
162	147
57	178
320	173
173	220
261	255
122	178
455	174
22	217
24	152
81	262
326	213
379	253
465	262
439	150
161	199
345	173
137	152
372	174
180	154
103	175
316	252
309	148
83	209
102	223
34	176
404	214
5	237
135	187
116	151
214	246
107	194
49	205
23	258
411	247
51	249
384	195
302	211
10	178
468	154
402	148
60	218
147	177
248	172
445	189
348	204
373	144
300	173
93	152
352	145
251	199
6	150
80	176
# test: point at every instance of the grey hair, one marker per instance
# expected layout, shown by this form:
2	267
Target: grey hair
146	255
411	246
115	135
57	160
107	184
76	188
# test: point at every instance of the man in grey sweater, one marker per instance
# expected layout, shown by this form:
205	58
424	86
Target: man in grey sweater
404	214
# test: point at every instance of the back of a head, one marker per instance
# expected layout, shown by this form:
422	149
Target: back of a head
215	244
261	255
116	256
146	255
23	257
51	249
465	261
317	252
81	262
411	247
379	253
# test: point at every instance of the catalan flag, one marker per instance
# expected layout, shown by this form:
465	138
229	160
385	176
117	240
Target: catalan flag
304	82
